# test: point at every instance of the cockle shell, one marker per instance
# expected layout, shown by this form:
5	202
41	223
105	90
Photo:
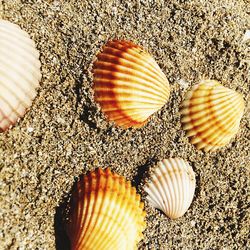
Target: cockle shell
171	187
105	213
211	114
19	73
128	83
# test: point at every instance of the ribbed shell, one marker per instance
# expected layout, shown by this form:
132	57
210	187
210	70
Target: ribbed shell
128	83
105	213
171	187
19	73
211	114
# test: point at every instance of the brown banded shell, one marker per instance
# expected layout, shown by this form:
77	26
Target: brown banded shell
128	84
211	114
105	213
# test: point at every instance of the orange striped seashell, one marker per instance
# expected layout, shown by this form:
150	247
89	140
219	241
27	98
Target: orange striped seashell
19	73
211	114
128	83
104	213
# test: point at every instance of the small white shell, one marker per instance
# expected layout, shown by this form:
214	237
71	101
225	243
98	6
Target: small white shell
19	73
171	187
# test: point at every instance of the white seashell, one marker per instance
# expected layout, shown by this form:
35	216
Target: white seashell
19	73
171	187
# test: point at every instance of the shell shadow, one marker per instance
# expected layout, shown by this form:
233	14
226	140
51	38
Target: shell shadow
84	116
86	110
142	172
61	238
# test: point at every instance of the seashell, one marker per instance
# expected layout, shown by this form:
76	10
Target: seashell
171	187
211	114
19	73
128	83
105	213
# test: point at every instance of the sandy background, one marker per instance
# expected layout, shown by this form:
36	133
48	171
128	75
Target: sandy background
64	134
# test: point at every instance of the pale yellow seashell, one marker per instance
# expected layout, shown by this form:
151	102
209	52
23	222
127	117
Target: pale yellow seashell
19	73
211	114
128	83
171	187
105	213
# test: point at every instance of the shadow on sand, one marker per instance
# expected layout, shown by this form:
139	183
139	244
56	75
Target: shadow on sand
62	240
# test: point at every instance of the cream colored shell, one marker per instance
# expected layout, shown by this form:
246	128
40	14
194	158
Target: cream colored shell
128	83
105	213
19	73
211	114
171	187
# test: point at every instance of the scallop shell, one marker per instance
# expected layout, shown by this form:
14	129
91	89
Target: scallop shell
128	83
171	187
19	73
105	213
211	114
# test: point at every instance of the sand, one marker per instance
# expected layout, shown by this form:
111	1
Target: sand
64	134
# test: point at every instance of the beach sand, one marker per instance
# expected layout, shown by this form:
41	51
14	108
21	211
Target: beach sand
64	134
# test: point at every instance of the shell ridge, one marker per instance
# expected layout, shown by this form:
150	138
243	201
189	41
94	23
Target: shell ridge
133	51
147	87
12	109
140	117
81	209
20	73
203	112
73	226
179	177
179	185
20	96
186	188
4	118
211	115
24	40
126	95
120	213
15	68
150	62
105	84
24	48
103	244
219	141
125	60
99	199
212	121
111	67
169	182
83	226
117	203
214	132
156	188
152	193
166	189
164	198
127	87
174	173
76	223
152	199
